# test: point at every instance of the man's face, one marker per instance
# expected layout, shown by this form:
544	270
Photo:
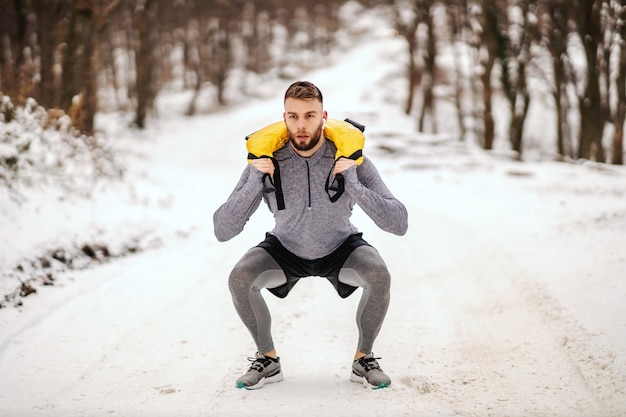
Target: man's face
305	123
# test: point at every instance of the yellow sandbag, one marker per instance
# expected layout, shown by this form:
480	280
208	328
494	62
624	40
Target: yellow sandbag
348	139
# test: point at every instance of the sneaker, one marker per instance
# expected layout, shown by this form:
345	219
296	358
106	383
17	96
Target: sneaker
366	370
264	369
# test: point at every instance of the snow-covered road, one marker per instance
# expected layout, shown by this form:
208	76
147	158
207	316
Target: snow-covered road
155	334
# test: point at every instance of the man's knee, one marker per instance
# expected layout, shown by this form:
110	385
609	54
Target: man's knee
245	270
369	267
366	258
255	264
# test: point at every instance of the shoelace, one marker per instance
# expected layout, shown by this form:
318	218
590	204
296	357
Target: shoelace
369	364
259	364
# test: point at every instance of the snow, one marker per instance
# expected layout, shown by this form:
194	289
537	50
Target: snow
508	295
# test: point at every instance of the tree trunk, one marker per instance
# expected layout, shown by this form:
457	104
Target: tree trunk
515	57
13	40
618	142
408	30
555	34
490	42
413	75
617	149
72	60
457	19
89	90
430	69
225	56
50	15
427	104
560	109
488	121
144	61
518	120
592	116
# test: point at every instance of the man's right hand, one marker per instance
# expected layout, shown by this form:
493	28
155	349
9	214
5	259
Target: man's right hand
264	165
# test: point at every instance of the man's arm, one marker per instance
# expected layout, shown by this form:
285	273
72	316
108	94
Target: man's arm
231	217
372	195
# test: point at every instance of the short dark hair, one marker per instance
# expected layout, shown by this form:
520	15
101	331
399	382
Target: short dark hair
304	90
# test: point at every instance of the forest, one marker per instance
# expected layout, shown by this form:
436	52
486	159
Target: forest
78	57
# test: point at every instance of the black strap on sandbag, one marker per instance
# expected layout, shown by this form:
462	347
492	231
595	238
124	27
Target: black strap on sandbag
275	184
337	186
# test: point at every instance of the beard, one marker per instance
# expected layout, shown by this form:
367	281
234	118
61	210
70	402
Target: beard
309	144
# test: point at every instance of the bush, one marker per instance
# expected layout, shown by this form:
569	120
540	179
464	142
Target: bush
39	148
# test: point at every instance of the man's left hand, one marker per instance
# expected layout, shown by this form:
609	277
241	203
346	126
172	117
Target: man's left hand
342	164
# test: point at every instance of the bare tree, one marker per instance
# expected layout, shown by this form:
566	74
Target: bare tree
193	57
220	49
81	63
457	16
515	48
14	32
491	46
617	152
592	114
406	21
145	15
553	30
429	56
256	32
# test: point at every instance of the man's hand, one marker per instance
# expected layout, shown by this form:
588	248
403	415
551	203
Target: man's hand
264	165
342	164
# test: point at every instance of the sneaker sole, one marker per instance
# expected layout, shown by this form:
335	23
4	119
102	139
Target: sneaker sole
360	379
265	380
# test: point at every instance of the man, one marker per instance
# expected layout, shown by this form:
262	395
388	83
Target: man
312	236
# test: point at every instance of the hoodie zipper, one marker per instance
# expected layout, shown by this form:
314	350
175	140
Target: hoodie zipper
308	177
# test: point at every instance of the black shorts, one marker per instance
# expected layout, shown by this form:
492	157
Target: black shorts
295	267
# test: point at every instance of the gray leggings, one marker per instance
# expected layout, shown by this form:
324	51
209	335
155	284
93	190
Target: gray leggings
257	270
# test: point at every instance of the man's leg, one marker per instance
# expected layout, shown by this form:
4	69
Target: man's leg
256	270
366	269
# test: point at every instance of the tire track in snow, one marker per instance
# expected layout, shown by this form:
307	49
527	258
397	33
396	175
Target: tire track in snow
593	360
484	339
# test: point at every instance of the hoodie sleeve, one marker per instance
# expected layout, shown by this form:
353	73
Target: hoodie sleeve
231	217
366	186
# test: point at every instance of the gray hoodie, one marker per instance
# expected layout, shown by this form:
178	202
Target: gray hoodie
311	226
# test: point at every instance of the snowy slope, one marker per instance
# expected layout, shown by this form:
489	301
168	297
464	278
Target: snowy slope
508	296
